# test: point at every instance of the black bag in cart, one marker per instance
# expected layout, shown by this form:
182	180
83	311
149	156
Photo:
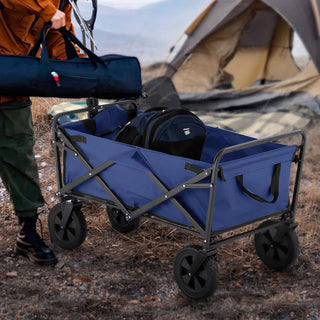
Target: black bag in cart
174	131
105	77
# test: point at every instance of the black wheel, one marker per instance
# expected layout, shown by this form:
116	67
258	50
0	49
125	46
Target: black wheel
278	248
67	225
196	282
119	222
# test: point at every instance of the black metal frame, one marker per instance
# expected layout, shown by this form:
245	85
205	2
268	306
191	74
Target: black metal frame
86	25
62	141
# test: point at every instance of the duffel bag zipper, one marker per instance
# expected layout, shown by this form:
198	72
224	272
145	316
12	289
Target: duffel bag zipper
76	76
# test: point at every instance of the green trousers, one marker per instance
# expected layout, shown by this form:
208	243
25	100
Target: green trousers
18	168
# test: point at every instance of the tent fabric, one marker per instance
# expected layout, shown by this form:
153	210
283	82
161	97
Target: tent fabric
303	89
250	63
271	62
209	58
220	13
239	43
129	180
298	13
255	100
301	18
280	65
260	30
256	45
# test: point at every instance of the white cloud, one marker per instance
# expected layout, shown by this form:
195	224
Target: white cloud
127	4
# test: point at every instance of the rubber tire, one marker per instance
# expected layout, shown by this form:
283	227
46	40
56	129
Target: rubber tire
118	221
204	283
75	232
276	255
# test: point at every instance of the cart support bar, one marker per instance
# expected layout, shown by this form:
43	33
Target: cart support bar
169	195
197	263
289	224
90	174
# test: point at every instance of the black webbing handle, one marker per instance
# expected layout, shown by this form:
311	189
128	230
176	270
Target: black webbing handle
67	35
274	186
40	39
193	168
70	50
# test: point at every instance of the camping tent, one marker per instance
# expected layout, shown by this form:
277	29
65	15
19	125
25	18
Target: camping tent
238	52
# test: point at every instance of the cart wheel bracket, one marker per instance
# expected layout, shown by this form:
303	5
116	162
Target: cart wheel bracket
66	208
67	225
200	258
66	212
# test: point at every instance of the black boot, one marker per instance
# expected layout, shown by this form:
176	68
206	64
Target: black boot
31	245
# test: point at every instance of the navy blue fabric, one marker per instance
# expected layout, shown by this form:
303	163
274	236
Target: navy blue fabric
128	178
106	77
104	119
216	141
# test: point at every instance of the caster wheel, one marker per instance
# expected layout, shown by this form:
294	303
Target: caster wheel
278	248
196	274
118	221
67	225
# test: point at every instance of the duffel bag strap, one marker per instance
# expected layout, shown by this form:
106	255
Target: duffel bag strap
274	186
40	39
70	50
67	35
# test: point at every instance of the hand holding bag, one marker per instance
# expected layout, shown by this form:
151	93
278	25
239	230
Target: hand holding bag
106	77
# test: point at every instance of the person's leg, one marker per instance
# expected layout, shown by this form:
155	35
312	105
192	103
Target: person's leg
19	173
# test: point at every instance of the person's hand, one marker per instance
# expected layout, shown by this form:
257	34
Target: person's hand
58	20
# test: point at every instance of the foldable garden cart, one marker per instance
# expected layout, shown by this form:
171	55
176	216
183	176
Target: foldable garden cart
238	181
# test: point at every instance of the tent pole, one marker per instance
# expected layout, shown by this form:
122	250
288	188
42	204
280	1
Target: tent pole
315	8
169	54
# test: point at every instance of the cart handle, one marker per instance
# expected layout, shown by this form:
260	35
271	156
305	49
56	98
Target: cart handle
274	186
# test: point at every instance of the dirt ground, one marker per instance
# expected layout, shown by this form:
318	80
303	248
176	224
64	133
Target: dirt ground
116	276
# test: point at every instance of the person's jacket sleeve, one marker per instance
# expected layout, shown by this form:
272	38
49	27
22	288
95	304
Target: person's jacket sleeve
43	8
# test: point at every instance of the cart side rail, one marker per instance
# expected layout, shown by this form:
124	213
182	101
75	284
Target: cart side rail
241	146
257	142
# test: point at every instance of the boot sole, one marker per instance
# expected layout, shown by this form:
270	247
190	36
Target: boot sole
30	256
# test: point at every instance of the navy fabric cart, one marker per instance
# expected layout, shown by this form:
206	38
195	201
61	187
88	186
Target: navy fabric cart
238	180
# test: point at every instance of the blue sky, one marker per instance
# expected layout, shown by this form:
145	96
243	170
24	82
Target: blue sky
127	4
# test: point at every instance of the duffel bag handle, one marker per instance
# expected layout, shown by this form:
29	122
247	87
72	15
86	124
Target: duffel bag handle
274	186
69	36
40	39
70	50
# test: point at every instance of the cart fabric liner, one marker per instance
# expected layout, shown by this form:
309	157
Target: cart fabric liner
127	178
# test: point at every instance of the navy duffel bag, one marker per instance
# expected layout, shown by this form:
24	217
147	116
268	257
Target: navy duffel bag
107	77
